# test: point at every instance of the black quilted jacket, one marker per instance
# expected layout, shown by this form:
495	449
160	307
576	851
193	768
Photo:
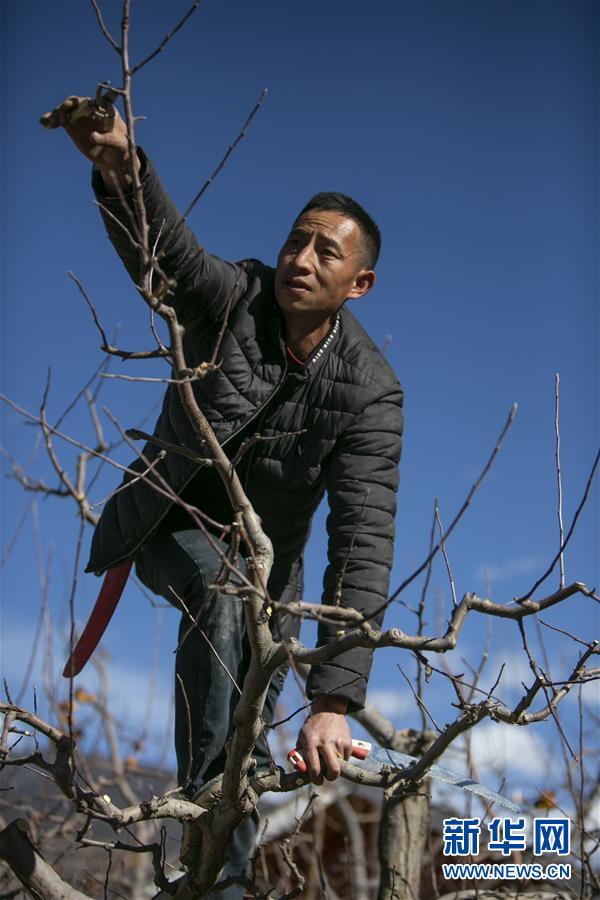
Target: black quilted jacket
345	400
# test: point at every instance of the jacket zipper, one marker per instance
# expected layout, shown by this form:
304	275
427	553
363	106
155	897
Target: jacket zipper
317	354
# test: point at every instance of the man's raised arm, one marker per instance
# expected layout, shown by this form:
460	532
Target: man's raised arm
205	284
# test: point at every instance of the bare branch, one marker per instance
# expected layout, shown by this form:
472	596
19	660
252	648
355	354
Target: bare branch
17	532
137	435
230	150
76	443
562	631
167	38
223	326
141	477
110	214
104	364
100	442
459	515
541	681
32	870
181	687
446	560
28	483
115	351
76	491
104	29
194	625
419	700
563	545
149	379
337	594
261	438
368	636
91	307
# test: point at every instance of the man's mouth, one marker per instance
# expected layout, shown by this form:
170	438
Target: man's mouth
296	285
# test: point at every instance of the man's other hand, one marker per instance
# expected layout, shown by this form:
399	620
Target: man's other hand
85	133
325	738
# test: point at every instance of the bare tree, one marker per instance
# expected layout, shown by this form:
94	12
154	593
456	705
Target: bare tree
226	801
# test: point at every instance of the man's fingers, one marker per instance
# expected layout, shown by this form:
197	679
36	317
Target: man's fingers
345	749
50	119
322	762
325	735
313	764
61	114
66	110
330	756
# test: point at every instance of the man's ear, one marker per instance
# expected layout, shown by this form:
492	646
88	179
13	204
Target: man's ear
364	281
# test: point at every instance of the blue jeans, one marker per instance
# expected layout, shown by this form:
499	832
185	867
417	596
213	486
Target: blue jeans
186	562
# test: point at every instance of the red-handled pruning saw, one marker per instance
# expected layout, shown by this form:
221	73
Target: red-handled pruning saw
374	759
110	594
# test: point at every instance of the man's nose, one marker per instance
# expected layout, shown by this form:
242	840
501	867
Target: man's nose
303	258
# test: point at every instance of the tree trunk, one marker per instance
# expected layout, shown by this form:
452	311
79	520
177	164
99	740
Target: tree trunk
39	879
403	834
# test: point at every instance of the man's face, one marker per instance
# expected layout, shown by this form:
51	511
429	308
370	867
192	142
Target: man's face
320	265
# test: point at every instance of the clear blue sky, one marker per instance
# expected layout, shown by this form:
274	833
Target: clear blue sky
469	131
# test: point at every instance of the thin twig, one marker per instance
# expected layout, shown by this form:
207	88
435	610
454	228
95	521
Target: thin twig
135	434
167	38
17	532
419	700
230	150
542	681
124	487
72	594
188	714
563	545
104	29
195	625
225	322
445	555
562	631
420	613
27	483
148	379
458	516
337	594
160	352
105	363
91	307
100	442
258	438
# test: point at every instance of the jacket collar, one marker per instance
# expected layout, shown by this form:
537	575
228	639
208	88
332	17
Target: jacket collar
277	337
324	346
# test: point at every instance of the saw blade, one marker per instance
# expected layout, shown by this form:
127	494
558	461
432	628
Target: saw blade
402	761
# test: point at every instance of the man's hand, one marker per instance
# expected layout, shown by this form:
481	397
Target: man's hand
325	738
85	134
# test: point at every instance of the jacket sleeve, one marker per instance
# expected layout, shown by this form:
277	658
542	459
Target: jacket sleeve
205	284
362	481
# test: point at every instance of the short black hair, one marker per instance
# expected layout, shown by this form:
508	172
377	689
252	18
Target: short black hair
332	201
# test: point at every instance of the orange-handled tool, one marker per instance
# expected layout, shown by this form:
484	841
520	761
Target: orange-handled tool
375	758
360	750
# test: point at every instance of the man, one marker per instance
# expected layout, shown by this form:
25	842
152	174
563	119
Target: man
295	366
